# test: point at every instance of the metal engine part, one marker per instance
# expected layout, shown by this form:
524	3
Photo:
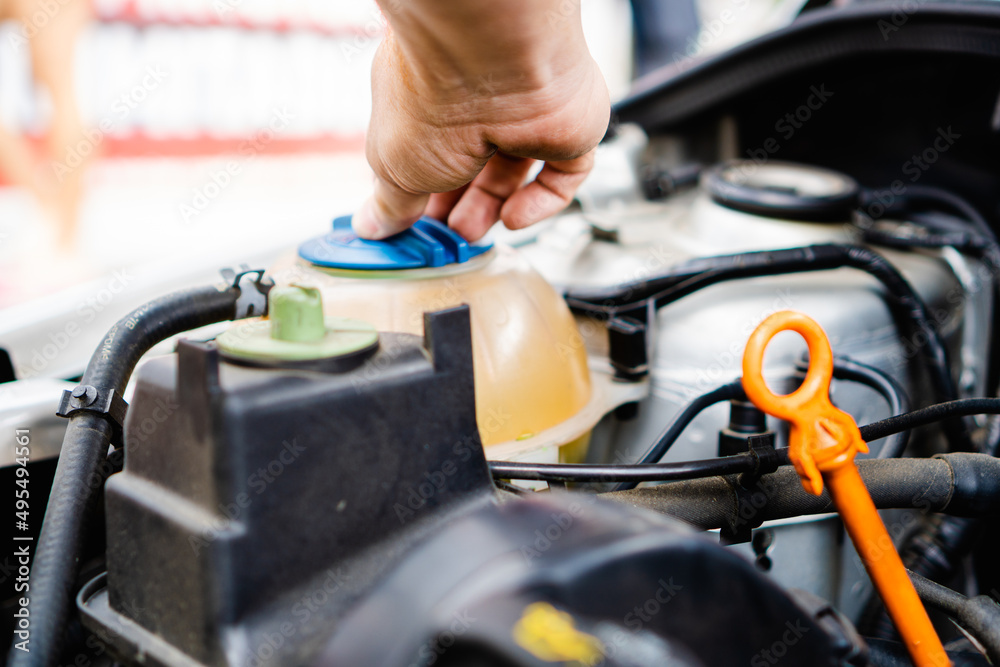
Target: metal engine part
380	510
696	343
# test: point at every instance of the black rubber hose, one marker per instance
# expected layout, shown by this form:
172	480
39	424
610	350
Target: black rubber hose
727	392
894	395
959	484
133	335
78	475
933	347
991	440
979	615
980	238
843	369
647	472
726	465
693	276
964	240
964	407
958	204
985	244
933	551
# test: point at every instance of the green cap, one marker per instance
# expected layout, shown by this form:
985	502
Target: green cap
297	314
296	330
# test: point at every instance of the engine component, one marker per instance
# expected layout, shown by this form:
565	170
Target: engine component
383	541
823	442
298	335
266	477
572	580
965	485
519	322
95	408
667	264
782	190
980	614
379	509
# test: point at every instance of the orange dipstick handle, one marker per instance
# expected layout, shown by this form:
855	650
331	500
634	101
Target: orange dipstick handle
823	441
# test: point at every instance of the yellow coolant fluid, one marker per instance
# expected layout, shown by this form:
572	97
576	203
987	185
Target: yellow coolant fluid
533	386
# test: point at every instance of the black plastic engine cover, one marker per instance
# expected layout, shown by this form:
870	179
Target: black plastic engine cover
243	484
639	589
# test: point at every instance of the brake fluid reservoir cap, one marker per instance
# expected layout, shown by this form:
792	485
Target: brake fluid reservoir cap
428	243
296	334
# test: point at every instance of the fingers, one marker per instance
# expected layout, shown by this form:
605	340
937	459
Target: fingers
442	203
480	206
551	191
388	211
494	194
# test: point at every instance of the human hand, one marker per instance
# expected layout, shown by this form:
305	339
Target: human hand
466	97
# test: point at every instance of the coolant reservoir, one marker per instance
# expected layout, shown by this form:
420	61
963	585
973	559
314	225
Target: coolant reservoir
533	387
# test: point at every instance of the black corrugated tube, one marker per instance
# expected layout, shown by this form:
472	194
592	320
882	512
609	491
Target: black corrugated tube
934	551
959	484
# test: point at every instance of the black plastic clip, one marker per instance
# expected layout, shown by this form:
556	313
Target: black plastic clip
768	459
251	302
627	348
751	495
87	398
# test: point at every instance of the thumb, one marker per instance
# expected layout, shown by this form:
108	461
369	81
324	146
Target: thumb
390	210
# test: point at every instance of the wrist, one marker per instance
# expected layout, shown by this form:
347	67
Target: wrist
461	48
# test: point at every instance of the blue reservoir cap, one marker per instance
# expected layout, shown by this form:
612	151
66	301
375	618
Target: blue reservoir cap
428	243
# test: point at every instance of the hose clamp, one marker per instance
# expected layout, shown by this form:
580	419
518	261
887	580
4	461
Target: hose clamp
252	301
87	398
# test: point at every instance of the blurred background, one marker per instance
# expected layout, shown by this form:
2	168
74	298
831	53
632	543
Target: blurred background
145	143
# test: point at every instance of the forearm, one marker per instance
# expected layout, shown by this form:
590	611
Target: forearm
486	46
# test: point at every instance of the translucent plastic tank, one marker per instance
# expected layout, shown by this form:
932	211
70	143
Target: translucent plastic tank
532	379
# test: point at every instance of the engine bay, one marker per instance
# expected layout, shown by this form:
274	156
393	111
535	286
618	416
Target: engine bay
540	448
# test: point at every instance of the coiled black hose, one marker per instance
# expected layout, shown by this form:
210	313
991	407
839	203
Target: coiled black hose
915	193
78	477
933	231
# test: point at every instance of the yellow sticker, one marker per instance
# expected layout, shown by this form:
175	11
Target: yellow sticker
549	635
